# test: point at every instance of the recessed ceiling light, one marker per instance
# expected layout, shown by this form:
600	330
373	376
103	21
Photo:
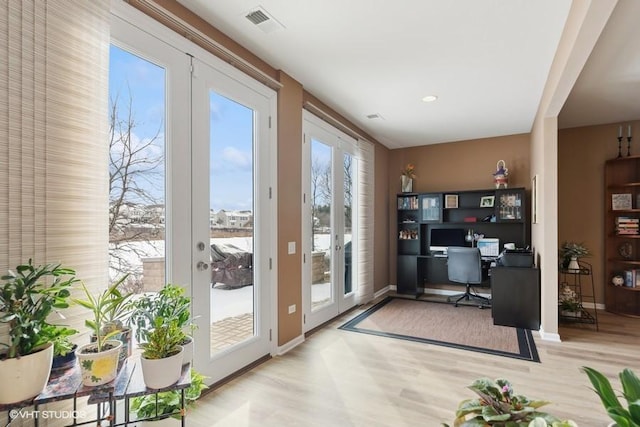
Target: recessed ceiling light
429	98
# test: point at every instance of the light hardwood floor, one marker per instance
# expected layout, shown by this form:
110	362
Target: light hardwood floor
339	378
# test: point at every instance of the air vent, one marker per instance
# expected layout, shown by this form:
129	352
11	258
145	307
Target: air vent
374	116
263	20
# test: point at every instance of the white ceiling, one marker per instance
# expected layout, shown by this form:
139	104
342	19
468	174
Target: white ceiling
486	60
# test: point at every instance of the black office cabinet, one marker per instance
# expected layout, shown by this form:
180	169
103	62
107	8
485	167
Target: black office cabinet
515	297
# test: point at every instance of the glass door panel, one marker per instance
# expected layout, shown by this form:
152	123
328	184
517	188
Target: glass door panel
231	222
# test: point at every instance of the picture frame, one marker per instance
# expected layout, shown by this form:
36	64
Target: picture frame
450	201
487	201
534	199
621	201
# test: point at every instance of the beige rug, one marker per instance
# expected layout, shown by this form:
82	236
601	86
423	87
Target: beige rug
464	327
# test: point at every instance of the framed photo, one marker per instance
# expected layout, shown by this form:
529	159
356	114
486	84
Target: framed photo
450	201
620	201
487	201
534	199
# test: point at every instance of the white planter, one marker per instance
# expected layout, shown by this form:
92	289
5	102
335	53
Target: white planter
188	351
406	184
567	313
98	368
161	373
573	264
24	378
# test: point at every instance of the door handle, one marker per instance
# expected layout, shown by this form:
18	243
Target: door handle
202	266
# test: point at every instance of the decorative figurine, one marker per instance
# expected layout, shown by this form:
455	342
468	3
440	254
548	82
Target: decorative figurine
617	280
501	177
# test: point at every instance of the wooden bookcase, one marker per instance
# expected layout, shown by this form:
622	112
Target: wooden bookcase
498	213
622	248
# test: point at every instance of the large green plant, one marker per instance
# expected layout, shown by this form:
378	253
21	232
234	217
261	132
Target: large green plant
168	403
103	307
27	297
498	405
624	417
170	304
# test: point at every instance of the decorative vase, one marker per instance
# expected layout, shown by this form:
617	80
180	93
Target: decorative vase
573	264
407	184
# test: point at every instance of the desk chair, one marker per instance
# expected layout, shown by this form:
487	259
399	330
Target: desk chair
464	265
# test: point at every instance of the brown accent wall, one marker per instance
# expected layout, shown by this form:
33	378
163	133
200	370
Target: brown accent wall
456	166
289	207
582	153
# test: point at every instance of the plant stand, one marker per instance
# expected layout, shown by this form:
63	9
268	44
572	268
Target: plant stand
574	279
127	385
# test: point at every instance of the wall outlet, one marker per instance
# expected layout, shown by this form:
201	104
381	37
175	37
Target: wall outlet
292	308
292	248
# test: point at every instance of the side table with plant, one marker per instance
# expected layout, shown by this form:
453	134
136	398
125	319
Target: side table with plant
27	297
570	253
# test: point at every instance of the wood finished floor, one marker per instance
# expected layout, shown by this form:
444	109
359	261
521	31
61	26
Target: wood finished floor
340	378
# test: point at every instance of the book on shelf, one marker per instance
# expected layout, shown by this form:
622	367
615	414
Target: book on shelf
626	225
407	203
632	278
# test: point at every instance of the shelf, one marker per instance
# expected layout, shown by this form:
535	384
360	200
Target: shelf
624	288
623	158
624	210
623	185
625	236
624	261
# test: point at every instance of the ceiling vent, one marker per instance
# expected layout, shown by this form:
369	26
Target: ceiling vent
374	116
263	20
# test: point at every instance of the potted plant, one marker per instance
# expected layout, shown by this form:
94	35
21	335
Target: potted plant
498	405
99	359
64	355
622	417
171	304
27	297
116	315
168	404
569	304
162	354
570	252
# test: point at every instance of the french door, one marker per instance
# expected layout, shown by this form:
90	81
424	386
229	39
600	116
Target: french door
330	187
213	142
231	220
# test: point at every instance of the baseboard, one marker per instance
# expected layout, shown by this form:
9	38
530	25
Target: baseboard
290	345
384	291
545	336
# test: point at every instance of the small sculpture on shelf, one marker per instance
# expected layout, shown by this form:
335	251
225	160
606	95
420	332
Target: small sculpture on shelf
407	177
501	176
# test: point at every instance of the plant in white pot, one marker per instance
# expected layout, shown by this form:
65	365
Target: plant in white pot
99	359
162	354
167	405
27	298
570	253
171	304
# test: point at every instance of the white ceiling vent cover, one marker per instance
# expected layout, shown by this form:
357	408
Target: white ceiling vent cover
263	20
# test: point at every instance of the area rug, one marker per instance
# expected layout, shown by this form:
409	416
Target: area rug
463	327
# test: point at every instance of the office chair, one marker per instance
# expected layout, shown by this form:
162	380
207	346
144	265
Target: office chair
464	265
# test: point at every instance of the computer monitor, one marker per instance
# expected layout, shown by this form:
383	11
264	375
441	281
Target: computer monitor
489	247
442	238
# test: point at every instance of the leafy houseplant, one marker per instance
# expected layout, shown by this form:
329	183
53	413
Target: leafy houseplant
162	354
624	417
168	403
99	359
572	250
568	301
499	406
27	297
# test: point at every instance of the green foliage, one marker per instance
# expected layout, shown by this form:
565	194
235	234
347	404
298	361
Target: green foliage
624	417
168	402
164	340
573	249
59	336
498	405
170	303
104	308
26	300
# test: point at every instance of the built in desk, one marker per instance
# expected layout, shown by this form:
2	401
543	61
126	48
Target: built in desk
67	385
515	297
